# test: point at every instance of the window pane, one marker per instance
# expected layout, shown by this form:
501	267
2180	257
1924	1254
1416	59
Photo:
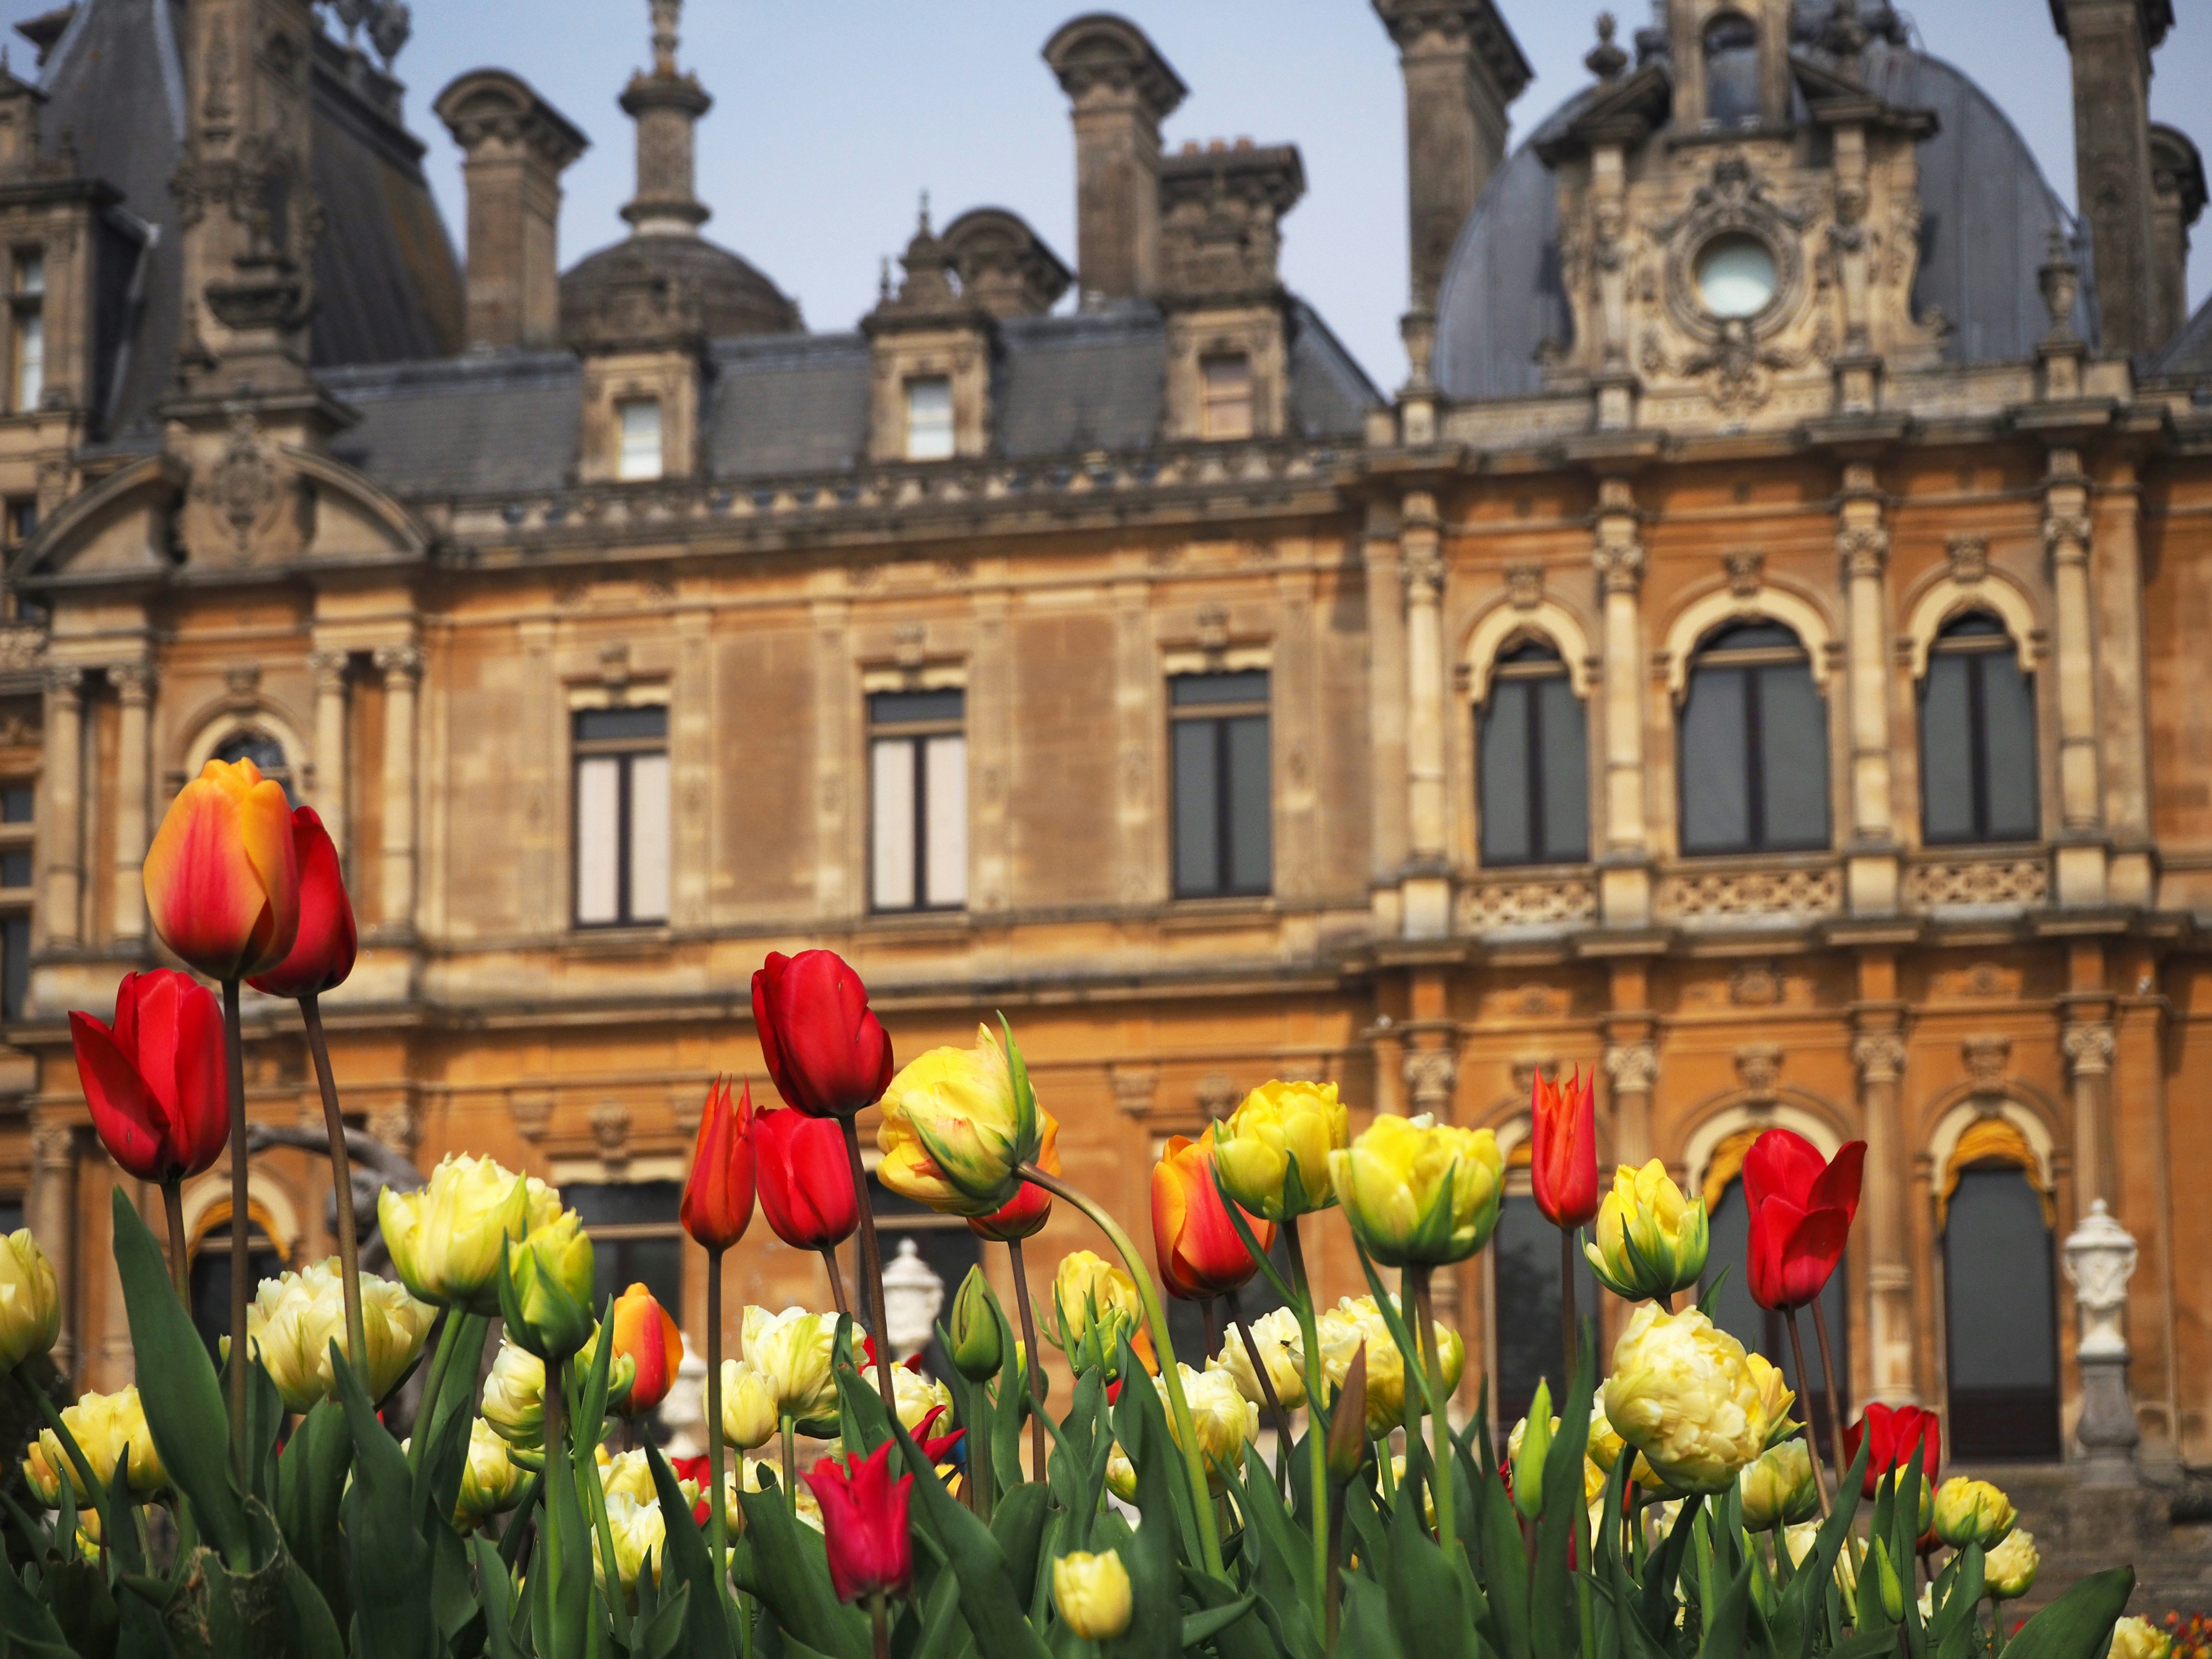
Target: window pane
641	456
30	360
1716	776
2009	705
624	1203
1227	392
598	831
1565	738
1251	806
946	794
1204	690
14	965
1997	1252
16	803
1197	809
648	838
1794	744
620	724
1946	768
1731	69
929	419
892	862
16	867
912	708
1507	833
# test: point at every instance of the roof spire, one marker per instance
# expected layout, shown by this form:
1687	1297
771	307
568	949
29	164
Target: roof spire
665	103
1606	60
665	14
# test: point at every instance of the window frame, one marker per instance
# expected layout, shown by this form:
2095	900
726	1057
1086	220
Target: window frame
27	305
1221	716
624	454
1553	666
1715	658
916	736
950	430
625	752
16	904
1210	402
1978	649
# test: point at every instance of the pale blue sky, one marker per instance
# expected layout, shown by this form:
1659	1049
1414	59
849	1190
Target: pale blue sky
831	115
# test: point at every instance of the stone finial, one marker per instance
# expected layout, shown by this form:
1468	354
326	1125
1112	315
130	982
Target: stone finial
1606	60
2100	1256
1845	37
2060	281
665	15
912	1296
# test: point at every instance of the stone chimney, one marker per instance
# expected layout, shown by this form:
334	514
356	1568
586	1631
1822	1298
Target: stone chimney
2177	197
1121	89
1462	68
2112	41
665	105
515	145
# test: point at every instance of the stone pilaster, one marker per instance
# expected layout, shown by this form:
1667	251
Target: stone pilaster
331	759
1426	886
2088	1046
1619	557
53	1178
134	689
2066	539
402	668
64	795
1632	1068
1879	1054
1862	552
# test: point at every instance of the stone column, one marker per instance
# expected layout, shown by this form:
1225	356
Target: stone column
134	685
1427	887
1386	695
1880	1056
1862	545
1619	559
331	759
402	668
2088	1046
53	1177
835	769
2100	1258
1432	1075
1633	1070
65	799
2066	539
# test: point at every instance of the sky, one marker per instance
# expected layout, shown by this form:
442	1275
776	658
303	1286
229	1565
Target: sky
833	117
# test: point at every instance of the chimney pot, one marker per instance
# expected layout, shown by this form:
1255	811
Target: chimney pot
1121	89
514	146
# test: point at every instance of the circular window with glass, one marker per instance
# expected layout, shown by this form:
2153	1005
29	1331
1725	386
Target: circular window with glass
1736	276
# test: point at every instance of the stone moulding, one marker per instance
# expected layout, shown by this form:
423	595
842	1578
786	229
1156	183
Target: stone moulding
1551	902
2021	882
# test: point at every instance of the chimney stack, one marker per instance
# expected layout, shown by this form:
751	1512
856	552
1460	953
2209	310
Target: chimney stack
2178	201
514	147
1121	89
2112	41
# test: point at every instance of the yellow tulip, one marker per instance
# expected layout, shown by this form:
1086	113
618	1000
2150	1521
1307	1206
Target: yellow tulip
1651	1241
30	1307
108	1429
1282	1348
629	1473
444	1237
546	1291
1799	1539
792	1351
917	1396
1415	1190
1092	1594
639	1534
1776	1396
1096	1304
491	1482
734	1514
292	1322
957	1123
1342	1328
2138	1638
1681	1394
2009	1571
750	1419
1972	1512
1777	1487
1224	1420
1593	1476
514	1398
42	1477
1272	1152
1606	1447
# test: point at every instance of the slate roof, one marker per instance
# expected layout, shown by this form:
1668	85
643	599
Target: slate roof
481	424
2188	354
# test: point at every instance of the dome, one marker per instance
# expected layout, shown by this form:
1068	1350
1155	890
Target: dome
1988	216
656	275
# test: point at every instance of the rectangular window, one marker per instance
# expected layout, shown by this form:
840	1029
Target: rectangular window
14	964
640	459
636	1238
1223	799
622	817
30	329
1226	384
917	777
929	418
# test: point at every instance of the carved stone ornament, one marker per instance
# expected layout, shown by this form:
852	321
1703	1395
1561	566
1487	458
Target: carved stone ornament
1759	1068
1213	627
610	1128
1524	584
243	487
1633	1067
1217	1095
1134	1090
1988	1059
1430	1074
532	1110
2088	1048
1424	573
1970	558
1755	985
1620	566
1525	1073
2100	1259
2066	535
913	1297
1863	548
395	1126
1880	1056
1746	572
241	683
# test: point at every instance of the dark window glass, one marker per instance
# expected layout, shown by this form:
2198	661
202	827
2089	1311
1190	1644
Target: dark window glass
14	965
18	802
635	1238
1731	69
1755	746
16	867
266	754
11	1215
1202	691
1997	1302
1223	797
1187	1320
912	708
1757	1327
944	1243
1525	1250
621	725
1533	759
211	1280
1977	738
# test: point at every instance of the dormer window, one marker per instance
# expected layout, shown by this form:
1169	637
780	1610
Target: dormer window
929	418
639	458
1736	277
1731	71
1226	390
30	344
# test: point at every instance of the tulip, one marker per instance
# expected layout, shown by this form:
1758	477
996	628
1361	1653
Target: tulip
155	1080
718	1197
546	1293
1092	1594
109	1429
978	1350
1777	1487
293	1320
758	1475
1897	1433
1681	1394
805	1183
1272	1152
1344	1329
749	1417
1801	1208
1562	1150
1651	1242
917	1396
827	1052
1606	1446
1097	1306
44	1480
1025	1213
514	1401
1418	1192
1879	1577
1195	1243
2132	1638
323	948
491	1482
793	1351
629	1473
223	877
1776	1396
1527	1448
957	1123
1799	1539
864	1523
639	1534
1224	1421
445	1237
1282	1350
1972	1512
645	1334
30	1304
2009	1571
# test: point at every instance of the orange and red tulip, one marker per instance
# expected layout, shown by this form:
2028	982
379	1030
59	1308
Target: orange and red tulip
154	1080
718	1198
1028	1210
323	951
223	878
645	1334
1563	1149
1196	1244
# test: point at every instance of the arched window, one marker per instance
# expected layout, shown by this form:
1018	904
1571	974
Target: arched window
1731	69
1999	1301
1758	1328
1754	737
265	752
1532	757
1524	1260
1977	776
210	1259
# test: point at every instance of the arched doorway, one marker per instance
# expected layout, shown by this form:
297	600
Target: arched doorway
1524	1266
210	1263
2001	1326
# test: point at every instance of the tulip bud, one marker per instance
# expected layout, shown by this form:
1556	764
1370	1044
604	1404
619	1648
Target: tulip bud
646	1335
109	1429
957	1123
1096	1305
1971	1512
2009	1571
864	1513
1536	1447
1879	1578
639	1534
30	1307
2138	1638
1273	1150
1776	1396
323	951
1092	1594
545	1289
826	1051
1201	1253
1348	1423
1282	1350
1777	1487
977	1351
1418	1191
222	877
793	1351
491	1482
718	1195
155	1081
44	1480
749	1412
444	1237
1651	1242
514	1397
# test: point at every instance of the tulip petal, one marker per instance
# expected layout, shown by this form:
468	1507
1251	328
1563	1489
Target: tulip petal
1837	1187
1782	1164
130	1122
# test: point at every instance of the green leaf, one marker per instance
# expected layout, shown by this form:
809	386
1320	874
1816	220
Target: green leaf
1366	1630
1202	1627
27	1622
687	1562
1505	1576
2079	1624
659	1635
785	1565
315	1629
310	1482
1018	1525
1564	1529
390	1559
1431	1598
1142	1428
941	1632
495	1593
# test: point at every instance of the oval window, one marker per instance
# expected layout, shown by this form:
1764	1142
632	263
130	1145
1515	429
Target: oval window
1735	277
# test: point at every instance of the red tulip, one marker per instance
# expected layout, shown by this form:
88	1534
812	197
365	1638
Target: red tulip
323	949
1897	1432
805	1180
1029	1208
1195	1243
645	1333
829	1055
1563	1149
939	1449
222	880
1801	1208
155	1080
864	1523
718	1198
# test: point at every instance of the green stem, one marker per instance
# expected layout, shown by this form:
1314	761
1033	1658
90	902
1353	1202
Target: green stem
1835	1396
790	1469
1440	1424
717	1525
1813	1444
1409	1411
1031	1369
311	1015
241	1240
180	1269
426	1419
871	1263
587	1468
1266	1379
1567	1332
1156	1316
1316	1443
880	1625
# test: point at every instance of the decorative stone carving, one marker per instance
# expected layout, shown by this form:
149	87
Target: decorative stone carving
1485	906
532	1111
1134	1090
1213	627
1970	558
910	645
394	1125
1619	566
1525	1071
2088	1048
1758	1068
1746	572
242	490
2066	536
610	1128
1863	548
404	661
1751	893
133	681
1423	573
242	684
2016	883
1880	1056
1524	584
1430	1074
22	646
913	1297
51	1145
1633	1067
1755	985
1988	1059
2100	1256
1217	1095
686	1106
